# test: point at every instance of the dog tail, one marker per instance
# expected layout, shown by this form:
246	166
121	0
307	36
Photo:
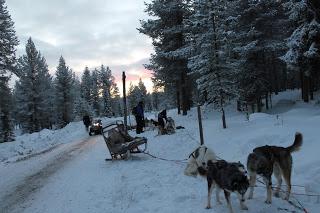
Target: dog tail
296	144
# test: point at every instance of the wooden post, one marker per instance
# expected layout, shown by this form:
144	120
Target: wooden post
200	125
124	100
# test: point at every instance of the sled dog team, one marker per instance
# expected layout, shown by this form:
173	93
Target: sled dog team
232	176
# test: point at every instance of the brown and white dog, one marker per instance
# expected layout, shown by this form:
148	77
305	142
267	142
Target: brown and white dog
268	160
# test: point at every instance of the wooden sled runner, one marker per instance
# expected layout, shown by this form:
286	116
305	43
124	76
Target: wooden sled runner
119	143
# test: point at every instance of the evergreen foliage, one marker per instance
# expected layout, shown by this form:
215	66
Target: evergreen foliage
6	124
8	43
33	91
106	82
64	99
167	32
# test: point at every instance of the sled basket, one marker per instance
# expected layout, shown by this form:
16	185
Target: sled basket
122	150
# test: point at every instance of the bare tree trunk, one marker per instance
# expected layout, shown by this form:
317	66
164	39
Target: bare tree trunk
223	119
311	88
259	104
178	97
275	75
184	93
301	84
252	108
239	106
178	102
305	88
124	101
267	101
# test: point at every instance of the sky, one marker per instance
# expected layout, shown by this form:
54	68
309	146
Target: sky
86	33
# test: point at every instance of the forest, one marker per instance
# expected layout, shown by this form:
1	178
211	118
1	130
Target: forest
205	52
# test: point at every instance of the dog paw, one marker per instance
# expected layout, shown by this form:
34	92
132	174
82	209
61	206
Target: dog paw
267	202
243	207
208	207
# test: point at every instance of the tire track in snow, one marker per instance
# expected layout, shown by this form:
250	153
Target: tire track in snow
13	201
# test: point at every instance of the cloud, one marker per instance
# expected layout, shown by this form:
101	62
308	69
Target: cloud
85	32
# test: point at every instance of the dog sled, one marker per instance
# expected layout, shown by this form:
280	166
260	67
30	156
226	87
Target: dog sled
120	144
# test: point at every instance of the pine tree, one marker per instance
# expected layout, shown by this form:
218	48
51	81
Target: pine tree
116	100
303	56
211	60
6	125
167	32
260	35
64	99
34	91
106	81
133	96
95	92
142	90
81	107
86	86
8	43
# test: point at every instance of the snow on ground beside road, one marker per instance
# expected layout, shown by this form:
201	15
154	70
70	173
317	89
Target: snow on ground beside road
28	144
144	184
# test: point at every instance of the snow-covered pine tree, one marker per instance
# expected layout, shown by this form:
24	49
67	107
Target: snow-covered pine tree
167	32
6	124
8	43
142	90
95	92
133	96
64	100
116	100
303	55
86	86
260	42
81	107
33	91
46	94
211	60
105	83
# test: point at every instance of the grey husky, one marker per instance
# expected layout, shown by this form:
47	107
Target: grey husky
229	178
268	160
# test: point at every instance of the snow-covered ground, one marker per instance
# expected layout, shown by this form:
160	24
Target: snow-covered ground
73	177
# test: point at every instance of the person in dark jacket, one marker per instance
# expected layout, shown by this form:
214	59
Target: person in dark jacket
86	121
162	118
139	114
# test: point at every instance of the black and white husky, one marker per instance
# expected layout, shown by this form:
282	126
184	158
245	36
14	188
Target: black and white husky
229	178
203	161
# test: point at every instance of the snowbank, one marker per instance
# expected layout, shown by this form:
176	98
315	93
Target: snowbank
30	144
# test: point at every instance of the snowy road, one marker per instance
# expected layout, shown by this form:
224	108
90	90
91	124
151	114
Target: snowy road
27	178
